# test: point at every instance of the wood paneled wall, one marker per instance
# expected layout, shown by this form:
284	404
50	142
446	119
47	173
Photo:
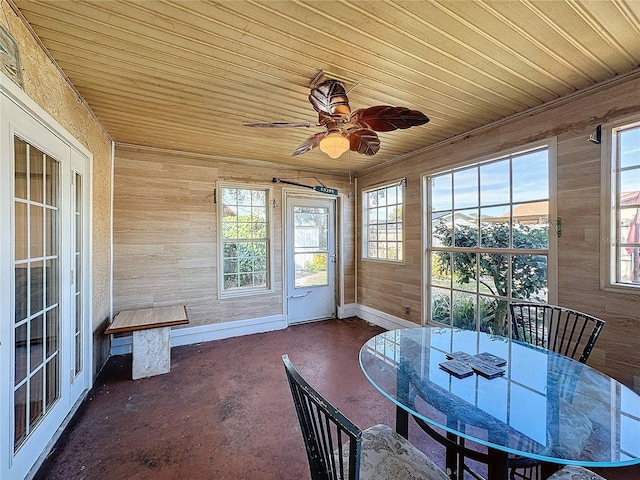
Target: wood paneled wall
389	287
165	230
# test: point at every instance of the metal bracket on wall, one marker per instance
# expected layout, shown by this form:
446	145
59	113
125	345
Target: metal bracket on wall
596	136
559	227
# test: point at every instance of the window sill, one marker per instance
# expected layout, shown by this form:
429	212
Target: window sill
383	260
246	293
624	289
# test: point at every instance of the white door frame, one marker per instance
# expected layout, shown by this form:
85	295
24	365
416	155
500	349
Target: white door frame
19	115
291	194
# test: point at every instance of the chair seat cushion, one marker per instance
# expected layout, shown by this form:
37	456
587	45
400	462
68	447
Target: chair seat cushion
572	472
386	455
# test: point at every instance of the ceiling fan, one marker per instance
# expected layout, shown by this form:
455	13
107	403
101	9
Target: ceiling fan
343	129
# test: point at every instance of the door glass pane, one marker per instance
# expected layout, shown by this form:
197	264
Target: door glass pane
53	379
51	182
36	283
36	333
52	231
20	168
20	414
36	221
36	174
21	292
78	274
36	398
37	292
21	353
53	327
311	236
21	224
52	281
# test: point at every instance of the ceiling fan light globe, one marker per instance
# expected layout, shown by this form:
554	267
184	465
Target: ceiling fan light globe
334	144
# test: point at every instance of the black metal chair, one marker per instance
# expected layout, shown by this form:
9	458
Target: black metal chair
562	330
338	450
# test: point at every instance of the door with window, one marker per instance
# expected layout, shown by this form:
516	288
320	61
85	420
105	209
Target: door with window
310	258
44	328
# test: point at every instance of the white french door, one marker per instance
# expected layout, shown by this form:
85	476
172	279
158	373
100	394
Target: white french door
311	258
44	308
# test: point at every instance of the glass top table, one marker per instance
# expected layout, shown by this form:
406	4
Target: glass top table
545	406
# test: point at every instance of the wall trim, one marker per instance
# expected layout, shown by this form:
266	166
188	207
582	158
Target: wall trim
382	319
237	328
207	333
348	310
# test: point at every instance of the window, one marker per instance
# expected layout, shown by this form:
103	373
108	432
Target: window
489	239
245	240
382	222
622	162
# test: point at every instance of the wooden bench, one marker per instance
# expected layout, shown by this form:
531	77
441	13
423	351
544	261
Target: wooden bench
151	329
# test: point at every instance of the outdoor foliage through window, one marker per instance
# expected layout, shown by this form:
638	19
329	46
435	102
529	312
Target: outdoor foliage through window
383	222
245	240
489	240
311	245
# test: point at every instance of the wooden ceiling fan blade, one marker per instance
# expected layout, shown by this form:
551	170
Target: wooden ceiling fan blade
311	142
330	98
281	124
385	118
363	141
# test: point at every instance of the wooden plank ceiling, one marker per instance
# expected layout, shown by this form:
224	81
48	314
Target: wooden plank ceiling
185	75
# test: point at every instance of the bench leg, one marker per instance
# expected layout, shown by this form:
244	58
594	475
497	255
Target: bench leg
151	352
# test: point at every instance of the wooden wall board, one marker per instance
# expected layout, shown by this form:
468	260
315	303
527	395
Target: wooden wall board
165	234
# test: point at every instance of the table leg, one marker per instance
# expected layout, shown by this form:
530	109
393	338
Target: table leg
549	469
498	467
402	422
402	416
151	352
452	459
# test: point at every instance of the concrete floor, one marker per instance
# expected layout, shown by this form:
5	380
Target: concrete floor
225	410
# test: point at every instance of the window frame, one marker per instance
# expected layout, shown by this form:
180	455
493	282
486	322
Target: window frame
552	250
400	184
609	206
244	291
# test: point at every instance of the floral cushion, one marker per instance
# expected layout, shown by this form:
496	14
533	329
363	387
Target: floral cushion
571	472
386	455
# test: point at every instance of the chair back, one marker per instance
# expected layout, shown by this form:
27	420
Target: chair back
325	431
562	330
